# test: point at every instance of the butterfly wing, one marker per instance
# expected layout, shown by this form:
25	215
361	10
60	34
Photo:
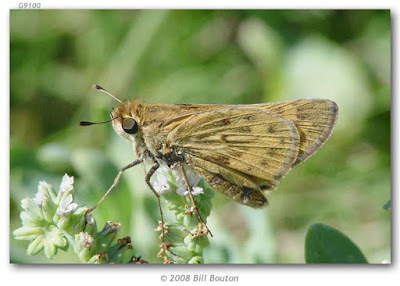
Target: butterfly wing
314	120
245	147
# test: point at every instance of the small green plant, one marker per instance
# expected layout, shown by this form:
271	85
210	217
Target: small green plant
53	221
186	236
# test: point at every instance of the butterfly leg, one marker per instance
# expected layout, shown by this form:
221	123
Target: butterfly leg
150	173
164	244
202	223
116	180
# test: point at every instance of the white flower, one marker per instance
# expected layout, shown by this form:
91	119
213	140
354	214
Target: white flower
183	191
39	198
193	181
85	239
67	184
66	206
44	187
25	204
161	184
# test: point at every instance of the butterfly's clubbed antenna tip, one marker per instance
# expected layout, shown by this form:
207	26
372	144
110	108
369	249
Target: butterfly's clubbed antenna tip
97	87
85	123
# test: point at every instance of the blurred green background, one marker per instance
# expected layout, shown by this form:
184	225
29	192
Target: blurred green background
208	56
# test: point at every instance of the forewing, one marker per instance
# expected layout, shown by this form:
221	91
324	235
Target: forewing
314	120
247	146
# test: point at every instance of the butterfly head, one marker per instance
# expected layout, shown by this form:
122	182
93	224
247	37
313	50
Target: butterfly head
124	118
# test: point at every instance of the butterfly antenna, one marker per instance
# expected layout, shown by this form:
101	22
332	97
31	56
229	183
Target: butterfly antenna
98	87
87	123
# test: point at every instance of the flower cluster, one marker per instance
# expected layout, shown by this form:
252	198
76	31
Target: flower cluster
186	236
53	221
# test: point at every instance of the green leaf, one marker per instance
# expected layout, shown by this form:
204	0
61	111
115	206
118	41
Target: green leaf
325	244
388	205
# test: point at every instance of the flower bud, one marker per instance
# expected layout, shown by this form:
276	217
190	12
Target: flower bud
27	232
47	190
85	246
36	245
49	249
66	188
108	233
121	249
91	226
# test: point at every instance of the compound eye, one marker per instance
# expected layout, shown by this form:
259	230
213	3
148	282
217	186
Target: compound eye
129	125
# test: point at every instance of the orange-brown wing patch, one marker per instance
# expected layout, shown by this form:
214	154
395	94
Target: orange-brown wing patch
314	119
